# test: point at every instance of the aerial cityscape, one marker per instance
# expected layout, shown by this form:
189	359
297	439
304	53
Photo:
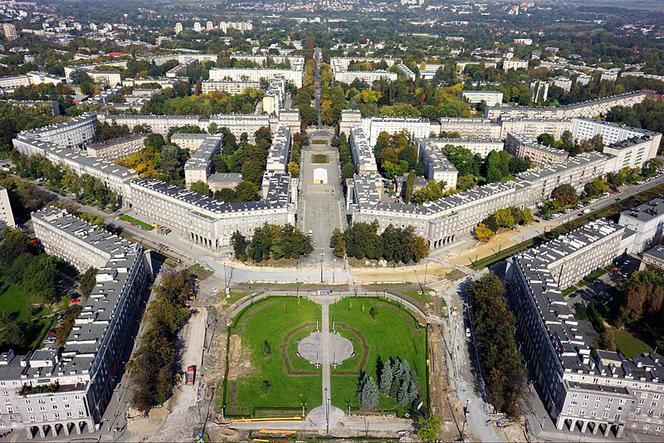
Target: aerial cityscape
370	220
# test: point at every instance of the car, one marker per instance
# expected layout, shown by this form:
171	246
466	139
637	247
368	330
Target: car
587	211
468	334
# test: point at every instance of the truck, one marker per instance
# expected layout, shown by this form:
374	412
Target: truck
190	375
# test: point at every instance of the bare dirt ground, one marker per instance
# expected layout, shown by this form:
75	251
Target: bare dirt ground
239	359
438	387
411	274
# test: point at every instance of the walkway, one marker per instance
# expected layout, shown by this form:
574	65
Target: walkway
325	416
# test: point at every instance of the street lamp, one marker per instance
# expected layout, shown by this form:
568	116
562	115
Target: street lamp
321	266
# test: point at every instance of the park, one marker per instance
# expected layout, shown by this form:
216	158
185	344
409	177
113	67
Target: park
276	369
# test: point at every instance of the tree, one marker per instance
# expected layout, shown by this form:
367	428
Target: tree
483	232
432	191
239	244
14	244
519	164
154	141
294	169
368	392
200	187
43	273
428	428
247	191
87	281
402	394
386	378
596	187
546	139
410	185
338	243
565	194
494	331
464	160
496	166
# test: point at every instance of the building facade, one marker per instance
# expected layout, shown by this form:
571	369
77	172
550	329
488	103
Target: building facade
48	392
583	392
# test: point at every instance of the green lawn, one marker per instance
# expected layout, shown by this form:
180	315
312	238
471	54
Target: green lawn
420	298
137	222
16	302
391	333
629	345
278	321
320	158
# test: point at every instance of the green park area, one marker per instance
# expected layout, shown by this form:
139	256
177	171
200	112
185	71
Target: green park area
629	345
266	377
381	331
320	158
136	222
16	305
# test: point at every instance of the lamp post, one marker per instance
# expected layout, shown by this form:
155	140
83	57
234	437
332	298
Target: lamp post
327	415
321	266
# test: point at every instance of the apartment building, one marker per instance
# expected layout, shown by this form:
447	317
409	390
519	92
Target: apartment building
532	127
341	73
512	64
491	98
584	129
208	222
6	213
224	180
163	82
279	153
201	163
539	155
10	83
114	176
482	147
189	141
231	87
362	152
583	392
368	77
647	223
653	257
564	83
9	31
48	392
633	152
237	124
436	165
74	133
587	109
274	97
475	128
116	148
350	118
295	76
461	65
415	127
105	76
